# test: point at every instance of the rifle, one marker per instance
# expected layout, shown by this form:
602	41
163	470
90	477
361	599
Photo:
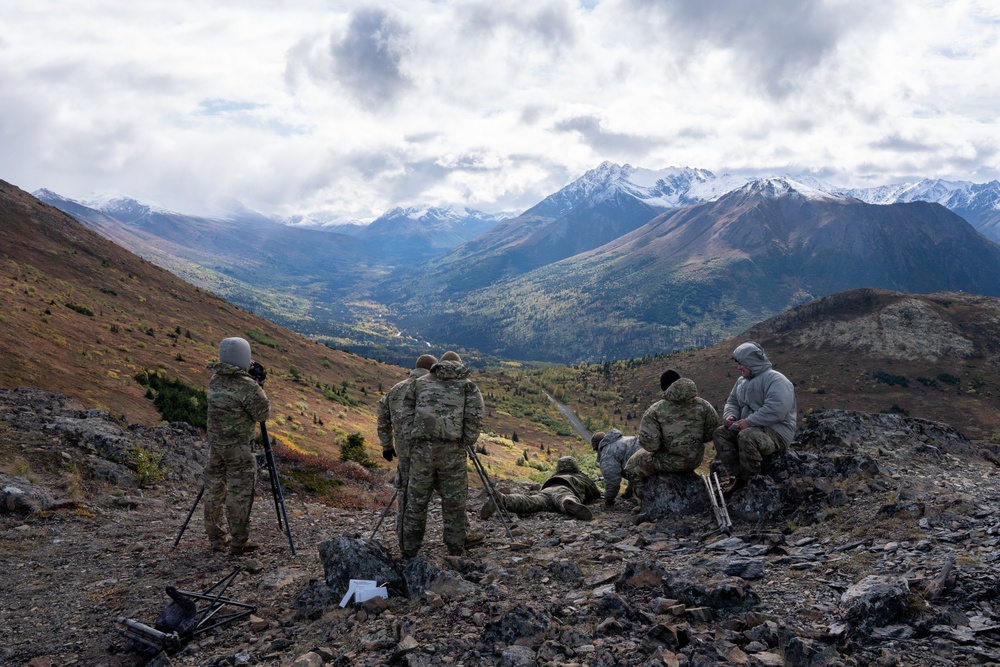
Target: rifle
490	491
718	502
279	501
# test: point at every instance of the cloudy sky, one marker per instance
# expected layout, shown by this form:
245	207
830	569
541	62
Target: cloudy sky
350	108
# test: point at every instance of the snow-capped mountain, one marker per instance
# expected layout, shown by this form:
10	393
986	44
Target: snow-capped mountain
658	188
979	203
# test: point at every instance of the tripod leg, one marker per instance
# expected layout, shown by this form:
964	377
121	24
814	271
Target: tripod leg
190	514
490	491
279	501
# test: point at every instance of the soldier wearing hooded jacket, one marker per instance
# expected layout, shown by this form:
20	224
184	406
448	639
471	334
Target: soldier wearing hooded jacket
392	438
613	452
760	415
236	404
442	417
565	491
673	432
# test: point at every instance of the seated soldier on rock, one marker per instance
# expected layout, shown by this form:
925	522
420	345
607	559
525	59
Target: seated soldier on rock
760	416
673	432
613	452
565	491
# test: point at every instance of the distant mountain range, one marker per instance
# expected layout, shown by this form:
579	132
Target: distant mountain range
621	262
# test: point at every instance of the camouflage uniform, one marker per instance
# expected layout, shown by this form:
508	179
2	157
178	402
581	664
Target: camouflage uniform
613	451
672	433
236	404
442	417
766	400
567	484
390	434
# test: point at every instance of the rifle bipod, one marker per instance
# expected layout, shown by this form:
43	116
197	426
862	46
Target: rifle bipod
279	500
718	501
490	491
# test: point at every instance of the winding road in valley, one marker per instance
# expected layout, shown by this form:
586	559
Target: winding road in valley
573	419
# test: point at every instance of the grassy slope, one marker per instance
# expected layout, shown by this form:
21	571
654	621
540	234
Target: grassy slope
81	316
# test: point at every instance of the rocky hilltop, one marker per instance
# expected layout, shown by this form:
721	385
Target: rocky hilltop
875	544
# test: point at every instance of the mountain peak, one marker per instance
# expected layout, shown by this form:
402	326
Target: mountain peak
778	187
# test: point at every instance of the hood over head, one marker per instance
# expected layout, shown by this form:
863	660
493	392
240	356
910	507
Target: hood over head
752	356
450	370
681	391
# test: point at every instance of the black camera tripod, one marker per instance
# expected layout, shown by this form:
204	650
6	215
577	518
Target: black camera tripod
279	500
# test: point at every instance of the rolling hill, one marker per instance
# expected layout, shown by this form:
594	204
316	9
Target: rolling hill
934	356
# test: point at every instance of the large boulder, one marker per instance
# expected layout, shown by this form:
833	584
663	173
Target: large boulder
344	559
668	494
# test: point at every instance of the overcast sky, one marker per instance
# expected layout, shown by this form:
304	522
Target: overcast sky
353	108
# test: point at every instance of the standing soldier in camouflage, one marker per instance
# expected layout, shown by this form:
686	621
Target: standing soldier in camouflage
390	434
442	417
565	491
236	403
672	432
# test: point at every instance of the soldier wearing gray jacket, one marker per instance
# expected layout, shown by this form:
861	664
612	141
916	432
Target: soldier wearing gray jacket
236	404
760	415
613	452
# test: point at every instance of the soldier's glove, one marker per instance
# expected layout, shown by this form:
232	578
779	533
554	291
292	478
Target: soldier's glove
609	502
257	372
387	454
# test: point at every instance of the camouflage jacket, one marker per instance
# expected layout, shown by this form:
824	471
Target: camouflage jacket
443	406
613	452
679	425
583	487
236	403
390	409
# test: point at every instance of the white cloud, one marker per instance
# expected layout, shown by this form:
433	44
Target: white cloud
354	107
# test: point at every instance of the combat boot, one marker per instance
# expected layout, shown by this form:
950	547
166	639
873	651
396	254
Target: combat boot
488	508
244	548
577	510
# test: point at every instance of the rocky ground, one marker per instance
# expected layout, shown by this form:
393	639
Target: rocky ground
876	545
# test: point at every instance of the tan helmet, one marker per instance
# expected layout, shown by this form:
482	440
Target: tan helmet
425	361
567	464
450	356
595	439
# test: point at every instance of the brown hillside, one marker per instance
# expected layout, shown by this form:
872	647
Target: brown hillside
935	356
82	316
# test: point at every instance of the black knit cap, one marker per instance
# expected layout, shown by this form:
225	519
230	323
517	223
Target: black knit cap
668	378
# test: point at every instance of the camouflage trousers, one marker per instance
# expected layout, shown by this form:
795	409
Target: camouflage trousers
441	467
402	481
743	451
549	499
644	464
230	477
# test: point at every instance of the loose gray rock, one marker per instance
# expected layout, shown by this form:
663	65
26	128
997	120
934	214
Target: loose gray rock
874	601
697	587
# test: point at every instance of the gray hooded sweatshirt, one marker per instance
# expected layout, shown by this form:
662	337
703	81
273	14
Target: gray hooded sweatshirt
767	398
613	451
